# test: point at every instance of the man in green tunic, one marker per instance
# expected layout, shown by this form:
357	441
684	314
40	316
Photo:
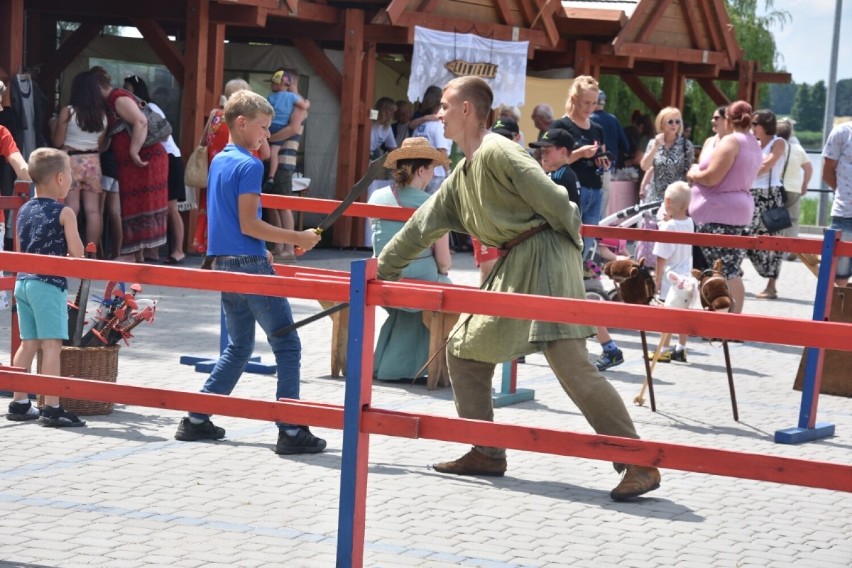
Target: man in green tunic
499	194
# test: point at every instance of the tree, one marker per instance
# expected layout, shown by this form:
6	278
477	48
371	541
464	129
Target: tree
782	97
816	108
800	105
843	98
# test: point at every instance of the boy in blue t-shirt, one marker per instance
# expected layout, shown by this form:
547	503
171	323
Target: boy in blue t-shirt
236	243
285	96
46	227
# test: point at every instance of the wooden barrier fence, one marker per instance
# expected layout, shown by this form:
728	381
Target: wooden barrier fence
359	419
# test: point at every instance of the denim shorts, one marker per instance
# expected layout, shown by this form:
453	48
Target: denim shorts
844	263
42	310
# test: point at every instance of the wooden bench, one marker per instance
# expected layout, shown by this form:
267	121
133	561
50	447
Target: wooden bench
439	323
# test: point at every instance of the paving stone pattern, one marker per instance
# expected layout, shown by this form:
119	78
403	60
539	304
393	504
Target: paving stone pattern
123	493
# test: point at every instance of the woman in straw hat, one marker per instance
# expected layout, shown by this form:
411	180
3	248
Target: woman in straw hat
403	345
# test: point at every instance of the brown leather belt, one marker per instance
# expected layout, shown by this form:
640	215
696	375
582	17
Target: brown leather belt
504	250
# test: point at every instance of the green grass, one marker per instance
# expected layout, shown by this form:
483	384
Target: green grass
810	139
808	212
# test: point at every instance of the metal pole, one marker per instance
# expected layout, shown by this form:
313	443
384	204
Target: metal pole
823	208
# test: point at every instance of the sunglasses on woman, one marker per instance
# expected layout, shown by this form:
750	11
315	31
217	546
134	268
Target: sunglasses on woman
672	121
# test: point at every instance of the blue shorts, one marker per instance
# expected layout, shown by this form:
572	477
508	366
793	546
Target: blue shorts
42	310
844	263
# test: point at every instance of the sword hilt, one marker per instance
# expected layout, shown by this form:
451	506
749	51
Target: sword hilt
299	251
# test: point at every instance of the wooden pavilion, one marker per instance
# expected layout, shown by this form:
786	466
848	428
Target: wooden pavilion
673	39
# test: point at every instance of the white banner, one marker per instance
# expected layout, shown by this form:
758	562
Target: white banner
433	50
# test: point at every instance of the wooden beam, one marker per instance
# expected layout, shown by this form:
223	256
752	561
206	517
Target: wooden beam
643	10
505	13
643	92
729	37
352	114
162	46
583	58
745	88
362	153
395	10
320	63
527	12
690	14
428	6
537	38
673	85
713	31
194	75
546	16
653	19
666	53
237	15
714	92
67	52
215	76
12	42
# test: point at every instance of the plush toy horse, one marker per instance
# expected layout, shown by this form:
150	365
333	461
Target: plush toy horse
633	280
713	288
683	291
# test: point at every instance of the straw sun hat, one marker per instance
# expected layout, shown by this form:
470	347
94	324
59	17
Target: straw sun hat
416	148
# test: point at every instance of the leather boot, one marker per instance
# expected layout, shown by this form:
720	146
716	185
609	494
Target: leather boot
473	463
637	481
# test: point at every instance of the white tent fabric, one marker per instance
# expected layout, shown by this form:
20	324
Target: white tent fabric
432	49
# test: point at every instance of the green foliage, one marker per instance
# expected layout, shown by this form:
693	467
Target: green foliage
843	106
782	97
807	214
809	139
800	105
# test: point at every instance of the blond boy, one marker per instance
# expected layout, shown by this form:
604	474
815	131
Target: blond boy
45	227
672	257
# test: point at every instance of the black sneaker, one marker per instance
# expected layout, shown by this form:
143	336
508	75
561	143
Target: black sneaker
302	442
59	418
22	411
189	432
609	359
679	356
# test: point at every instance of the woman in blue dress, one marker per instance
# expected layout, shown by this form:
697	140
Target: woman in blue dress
403	345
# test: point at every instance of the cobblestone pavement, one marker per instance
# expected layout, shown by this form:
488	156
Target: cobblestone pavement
123	493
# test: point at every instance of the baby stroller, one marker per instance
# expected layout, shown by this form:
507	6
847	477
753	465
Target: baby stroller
607	249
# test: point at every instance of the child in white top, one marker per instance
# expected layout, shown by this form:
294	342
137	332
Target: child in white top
671	257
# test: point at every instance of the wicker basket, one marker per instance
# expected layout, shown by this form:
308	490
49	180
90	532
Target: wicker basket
93	363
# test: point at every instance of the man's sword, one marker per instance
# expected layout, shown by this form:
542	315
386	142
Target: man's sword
376	168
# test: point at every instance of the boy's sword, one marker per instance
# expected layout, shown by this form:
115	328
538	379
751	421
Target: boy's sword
376	168
373	172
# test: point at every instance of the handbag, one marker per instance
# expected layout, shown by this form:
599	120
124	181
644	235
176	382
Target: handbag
195	174
159	128
776	219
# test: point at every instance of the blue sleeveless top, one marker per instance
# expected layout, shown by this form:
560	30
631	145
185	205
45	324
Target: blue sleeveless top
39	232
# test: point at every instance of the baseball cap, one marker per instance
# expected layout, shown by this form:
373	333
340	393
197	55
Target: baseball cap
280	77
555	137
601	97
506	127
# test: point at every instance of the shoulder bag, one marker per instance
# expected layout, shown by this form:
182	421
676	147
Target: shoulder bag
197	165
159	128
776	219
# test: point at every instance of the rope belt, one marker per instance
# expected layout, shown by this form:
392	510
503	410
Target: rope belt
504	250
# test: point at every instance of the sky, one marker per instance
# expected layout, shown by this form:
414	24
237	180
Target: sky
804	42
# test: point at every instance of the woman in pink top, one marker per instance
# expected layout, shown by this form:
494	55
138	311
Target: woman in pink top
721	199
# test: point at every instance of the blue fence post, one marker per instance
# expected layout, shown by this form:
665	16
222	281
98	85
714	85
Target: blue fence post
808	428
509	391
358	395
206	364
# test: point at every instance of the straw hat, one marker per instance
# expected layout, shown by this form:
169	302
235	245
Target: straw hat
416	148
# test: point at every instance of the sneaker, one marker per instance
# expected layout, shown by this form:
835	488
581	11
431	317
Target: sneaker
609	359
302	442
679	356
189	432
22	411
665	356
59	418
